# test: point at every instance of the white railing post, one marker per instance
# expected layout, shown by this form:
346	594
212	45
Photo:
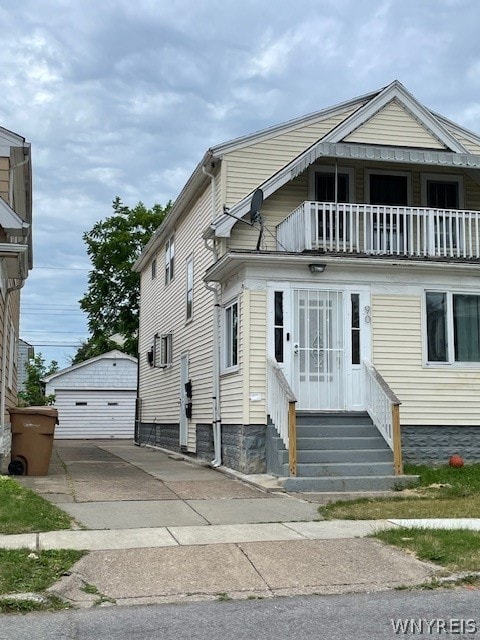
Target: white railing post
383	407
281	409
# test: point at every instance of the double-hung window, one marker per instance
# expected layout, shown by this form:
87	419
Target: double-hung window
163	350
169	259
453	327
230	324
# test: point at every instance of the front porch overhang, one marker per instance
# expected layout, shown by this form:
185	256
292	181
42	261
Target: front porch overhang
368	153
234	261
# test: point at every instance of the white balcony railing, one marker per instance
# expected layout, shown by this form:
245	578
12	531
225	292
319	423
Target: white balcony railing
381	230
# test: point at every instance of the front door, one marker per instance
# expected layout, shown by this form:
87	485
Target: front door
320	338
318	349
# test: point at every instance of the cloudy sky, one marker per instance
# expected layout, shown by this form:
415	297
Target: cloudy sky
123	98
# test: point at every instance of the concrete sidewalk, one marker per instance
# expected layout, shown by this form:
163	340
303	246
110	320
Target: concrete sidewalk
161	528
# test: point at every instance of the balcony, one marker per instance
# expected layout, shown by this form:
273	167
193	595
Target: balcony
381	230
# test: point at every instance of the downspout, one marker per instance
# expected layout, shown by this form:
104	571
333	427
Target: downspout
217	418
3	383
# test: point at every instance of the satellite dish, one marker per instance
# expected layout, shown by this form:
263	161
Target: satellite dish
256	205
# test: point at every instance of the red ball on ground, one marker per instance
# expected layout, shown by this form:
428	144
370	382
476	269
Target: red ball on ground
456	461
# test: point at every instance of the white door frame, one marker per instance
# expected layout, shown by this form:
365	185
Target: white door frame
183	420
352	376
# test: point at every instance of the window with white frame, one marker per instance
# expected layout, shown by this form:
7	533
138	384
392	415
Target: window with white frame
154	268
163	350
169	259
230	343
452	327
189	282
444	193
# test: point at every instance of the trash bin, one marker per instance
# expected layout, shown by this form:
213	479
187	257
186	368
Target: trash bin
33	430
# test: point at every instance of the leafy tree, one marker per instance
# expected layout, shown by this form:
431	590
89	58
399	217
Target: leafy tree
34	394
112	299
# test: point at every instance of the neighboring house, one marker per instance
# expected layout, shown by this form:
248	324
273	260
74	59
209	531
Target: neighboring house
15	263
96	398
25	353
349	305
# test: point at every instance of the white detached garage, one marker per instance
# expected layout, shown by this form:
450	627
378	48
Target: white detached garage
96	398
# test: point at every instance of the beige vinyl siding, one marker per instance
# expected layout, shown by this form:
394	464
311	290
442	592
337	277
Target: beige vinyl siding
163	310
238	390
394	126
275	209
12	321
467	143
247	168
4	174
429	395
257	412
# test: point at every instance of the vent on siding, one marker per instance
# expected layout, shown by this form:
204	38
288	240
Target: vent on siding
81	404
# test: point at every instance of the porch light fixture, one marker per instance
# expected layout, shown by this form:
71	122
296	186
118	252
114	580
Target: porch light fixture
317	267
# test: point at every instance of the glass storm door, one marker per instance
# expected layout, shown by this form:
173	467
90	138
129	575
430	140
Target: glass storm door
318	349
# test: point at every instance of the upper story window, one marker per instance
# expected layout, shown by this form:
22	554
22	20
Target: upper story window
329	185
230	333
154	268
389	188
453	327
169	259
189	299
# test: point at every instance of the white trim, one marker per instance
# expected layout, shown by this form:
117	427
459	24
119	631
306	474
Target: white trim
396	91
170	259
451	362
227	335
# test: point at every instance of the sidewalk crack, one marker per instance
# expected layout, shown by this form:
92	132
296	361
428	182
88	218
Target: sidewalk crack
269	588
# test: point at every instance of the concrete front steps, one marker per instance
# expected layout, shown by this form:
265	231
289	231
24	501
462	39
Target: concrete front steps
336	452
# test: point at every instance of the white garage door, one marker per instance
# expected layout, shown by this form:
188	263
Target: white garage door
95	414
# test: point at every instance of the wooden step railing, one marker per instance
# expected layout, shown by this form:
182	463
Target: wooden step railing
383	407
281	408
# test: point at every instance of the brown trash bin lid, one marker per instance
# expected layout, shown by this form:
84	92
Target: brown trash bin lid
43	410
47	411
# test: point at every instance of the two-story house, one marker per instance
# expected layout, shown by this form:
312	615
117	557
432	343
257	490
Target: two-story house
311	305
15	263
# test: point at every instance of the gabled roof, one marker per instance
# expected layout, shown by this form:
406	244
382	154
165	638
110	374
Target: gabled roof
110	355
448	151
341	141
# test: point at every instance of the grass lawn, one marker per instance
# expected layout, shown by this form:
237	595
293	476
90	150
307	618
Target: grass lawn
442	492
21	570
455	550
23	511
